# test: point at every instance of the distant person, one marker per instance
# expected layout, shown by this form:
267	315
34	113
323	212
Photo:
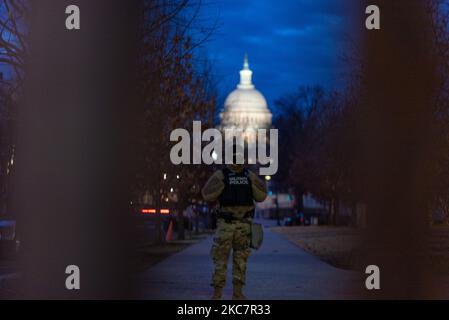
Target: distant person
236	188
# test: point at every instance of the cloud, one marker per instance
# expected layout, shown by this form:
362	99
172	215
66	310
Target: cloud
293	32
289	42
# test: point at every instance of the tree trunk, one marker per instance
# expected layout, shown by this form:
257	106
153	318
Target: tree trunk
299	200
181	229
159	234
354	214
334	208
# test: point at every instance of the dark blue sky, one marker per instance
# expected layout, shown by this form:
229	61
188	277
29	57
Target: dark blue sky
289	43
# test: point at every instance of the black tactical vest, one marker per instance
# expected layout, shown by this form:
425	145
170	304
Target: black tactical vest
238	190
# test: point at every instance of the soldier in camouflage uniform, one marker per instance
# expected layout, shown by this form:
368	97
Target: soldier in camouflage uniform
236	188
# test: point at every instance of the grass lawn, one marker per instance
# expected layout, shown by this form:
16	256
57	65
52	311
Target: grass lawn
340	246
334	245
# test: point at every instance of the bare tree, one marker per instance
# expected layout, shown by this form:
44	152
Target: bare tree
13	39
13	55
175	92
317	147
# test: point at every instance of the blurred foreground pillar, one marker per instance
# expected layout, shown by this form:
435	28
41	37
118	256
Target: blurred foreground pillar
397	98
74	156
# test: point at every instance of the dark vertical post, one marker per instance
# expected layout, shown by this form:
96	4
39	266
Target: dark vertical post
74	150
397	95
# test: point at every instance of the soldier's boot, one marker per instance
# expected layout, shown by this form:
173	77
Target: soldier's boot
238	292
218	293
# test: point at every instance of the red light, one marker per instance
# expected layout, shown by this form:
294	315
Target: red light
148	211
165	211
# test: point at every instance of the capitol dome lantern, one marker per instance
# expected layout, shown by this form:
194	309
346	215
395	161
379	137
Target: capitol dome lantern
245	108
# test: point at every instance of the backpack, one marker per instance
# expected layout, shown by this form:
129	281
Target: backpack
256	235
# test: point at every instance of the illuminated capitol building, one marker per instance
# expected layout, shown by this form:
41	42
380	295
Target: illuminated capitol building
245	108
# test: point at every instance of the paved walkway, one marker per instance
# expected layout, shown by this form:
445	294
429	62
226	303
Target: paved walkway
279	270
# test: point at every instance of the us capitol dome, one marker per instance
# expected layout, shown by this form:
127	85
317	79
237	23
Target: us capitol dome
245	108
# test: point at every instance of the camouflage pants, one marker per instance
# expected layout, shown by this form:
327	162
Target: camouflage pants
235	236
